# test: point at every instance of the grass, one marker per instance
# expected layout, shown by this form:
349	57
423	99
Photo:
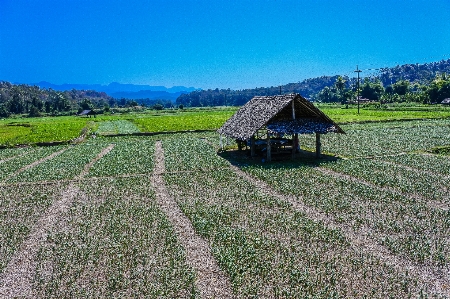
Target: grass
66	128
34	130
114	241
369	114
199	120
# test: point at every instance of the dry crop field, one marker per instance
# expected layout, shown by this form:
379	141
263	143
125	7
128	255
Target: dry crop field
167	216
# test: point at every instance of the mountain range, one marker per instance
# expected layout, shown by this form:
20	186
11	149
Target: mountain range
129	91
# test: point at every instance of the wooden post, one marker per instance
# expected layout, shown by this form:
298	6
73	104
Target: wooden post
318	145
294	144
252	146
269	150
294	137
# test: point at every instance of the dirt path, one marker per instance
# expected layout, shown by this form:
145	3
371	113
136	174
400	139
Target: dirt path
435	280
430	203
211	281
17	278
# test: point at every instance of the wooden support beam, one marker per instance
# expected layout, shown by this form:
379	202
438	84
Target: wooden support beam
318	144
294	145
269	150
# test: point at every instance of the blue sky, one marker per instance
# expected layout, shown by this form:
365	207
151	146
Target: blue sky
212	43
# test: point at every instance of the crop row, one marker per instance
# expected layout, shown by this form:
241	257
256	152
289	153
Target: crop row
113	243
66	165
380	139
116	127
270	250
11	166
20	208
187	152
129	156
407	226
428	186
439	165
12	152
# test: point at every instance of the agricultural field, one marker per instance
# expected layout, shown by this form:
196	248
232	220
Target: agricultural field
129	216
370	114
23	131
45	129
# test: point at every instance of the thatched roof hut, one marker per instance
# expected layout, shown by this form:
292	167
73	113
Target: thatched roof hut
87	113
279	115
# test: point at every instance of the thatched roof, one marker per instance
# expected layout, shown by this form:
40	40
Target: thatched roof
87	112
275	113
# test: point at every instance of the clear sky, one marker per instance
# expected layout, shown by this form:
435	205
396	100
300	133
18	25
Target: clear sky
213	43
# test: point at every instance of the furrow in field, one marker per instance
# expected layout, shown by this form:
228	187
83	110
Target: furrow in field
430	203
434	279
211	281
16	280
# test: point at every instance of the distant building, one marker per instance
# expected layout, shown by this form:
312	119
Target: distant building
88	113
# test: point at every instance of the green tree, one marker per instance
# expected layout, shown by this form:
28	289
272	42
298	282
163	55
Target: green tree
439	89
372	90
401	87
340	84
34	112
86	104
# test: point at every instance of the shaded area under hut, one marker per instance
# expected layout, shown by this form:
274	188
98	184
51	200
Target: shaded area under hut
272	123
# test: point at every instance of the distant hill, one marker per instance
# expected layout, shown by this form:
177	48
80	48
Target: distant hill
129	91
147	94
421	73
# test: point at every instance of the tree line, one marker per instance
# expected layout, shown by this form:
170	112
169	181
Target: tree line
423	83
372	89
35	101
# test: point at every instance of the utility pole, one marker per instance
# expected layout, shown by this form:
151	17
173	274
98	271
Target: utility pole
357	86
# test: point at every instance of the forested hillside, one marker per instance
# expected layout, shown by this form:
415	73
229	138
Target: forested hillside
423	83
35	101
399	83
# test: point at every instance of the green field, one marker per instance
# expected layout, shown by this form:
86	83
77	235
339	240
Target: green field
20	131
369	220
45	129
